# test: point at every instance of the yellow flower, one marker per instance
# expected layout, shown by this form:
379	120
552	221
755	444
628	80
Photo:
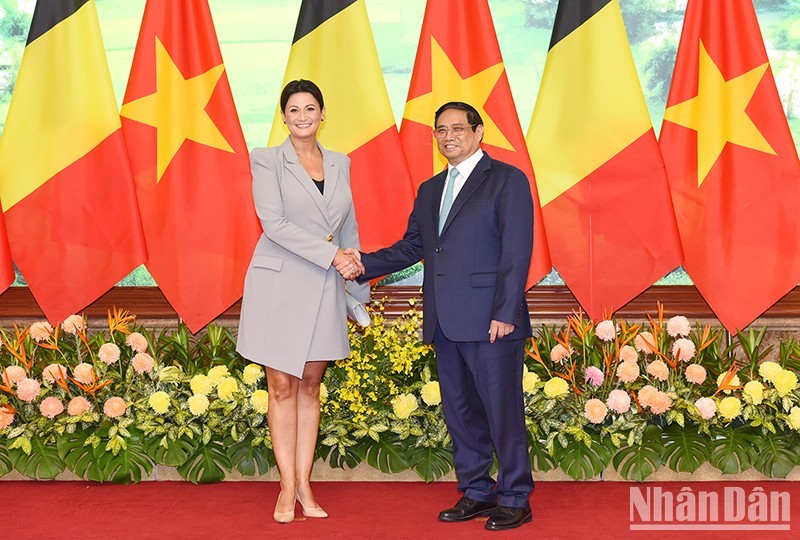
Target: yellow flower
252	373
431	393
733	382
323	393
729	408
201	384
404	405
556	387
260	401
226	388
755	390
785	382
216	373
198	404
159	401
794	418
529	381
769	370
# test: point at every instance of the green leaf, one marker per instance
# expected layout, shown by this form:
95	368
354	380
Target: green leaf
340	458
428	462
169	452
580	461
386	454
80	456
207	464
541	460
638	461
777	456
5	459
733	450
129	465
248	459
685	450
43	463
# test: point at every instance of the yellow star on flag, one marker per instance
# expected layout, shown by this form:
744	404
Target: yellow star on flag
177	109
718	113
447	84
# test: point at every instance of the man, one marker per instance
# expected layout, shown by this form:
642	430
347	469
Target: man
472	224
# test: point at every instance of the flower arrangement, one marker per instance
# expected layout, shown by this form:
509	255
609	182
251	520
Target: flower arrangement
112	404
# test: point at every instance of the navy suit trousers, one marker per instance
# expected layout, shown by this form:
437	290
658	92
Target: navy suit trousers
481	385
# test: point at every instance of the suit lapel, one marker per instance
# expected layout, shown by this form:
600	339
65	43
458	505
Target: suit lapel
438	189
476	178
301	176
333	175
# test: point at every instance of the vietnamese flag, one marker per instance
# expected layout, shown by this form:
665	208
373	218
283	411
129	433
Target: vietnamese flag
601	178
458	59
190	162
68	197
334	48
732	165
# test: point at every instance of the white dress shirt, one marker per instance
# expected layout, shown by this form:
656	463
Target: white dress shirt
465	168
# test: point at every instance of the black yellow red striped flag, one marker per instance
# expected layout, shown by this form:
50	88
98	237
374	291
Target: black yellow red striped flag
65	183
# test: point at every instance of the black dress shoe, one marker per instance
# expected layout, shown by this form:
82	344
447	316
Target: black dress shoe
508	517
466	509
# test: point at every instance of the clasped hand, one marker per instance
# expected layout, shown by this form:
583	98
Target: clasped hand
348	263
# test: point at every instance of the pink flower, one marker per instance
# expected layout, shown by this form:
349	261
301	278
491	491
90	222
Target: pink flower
683	349
83	373
628	372
28	389
108	353
594	376
605	330
114	407
645	342
6	418
73	324
660	403
658	369
559	353
78	405
707	407
695	373
619	401
137	342
678	326
142	363
595	411
14	374
54	372
628	354
40	331
51	407
646	394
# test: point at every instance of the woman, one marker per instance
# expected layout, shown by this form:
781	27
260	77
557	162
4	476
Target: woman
293	317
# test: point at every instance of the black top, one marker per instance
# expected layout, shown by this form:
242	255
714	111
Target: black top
320	185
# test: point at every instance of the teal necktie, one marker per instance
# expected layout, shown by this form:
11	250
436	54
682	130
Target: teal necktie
447	200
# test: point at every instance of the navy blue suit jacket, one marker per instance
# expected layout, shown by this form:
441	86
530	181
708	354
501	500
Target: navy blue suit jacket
475	272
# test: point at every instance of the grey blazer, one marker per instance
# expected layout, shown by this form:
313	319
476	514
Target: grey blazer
293	309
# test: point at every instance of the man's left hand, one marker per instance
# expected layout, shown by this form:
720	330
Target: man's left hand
499	330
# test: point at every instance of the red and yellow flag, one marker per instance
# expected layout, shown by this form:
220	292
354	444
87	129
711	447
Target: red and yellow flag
65	183
732	165
458	59
334	48
190	162
601	177
6	266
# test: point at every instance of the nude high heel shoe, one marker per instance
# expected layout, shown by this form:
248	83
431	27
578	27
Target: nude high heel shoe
312	511
282	517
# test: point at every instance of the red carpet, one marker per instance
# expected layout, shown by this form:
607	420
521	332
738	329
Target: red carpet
243	510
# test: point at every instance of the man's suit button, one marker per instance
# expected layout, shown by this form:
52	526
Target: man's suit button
439	250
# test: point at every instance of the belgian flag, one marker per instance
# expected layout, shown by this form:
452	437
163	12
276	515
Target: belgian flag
601	178
65	183
732	164
6	266
190	162
458	59
333	47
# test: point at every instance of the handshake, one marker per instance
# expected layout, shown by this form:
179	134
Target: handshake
348	263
